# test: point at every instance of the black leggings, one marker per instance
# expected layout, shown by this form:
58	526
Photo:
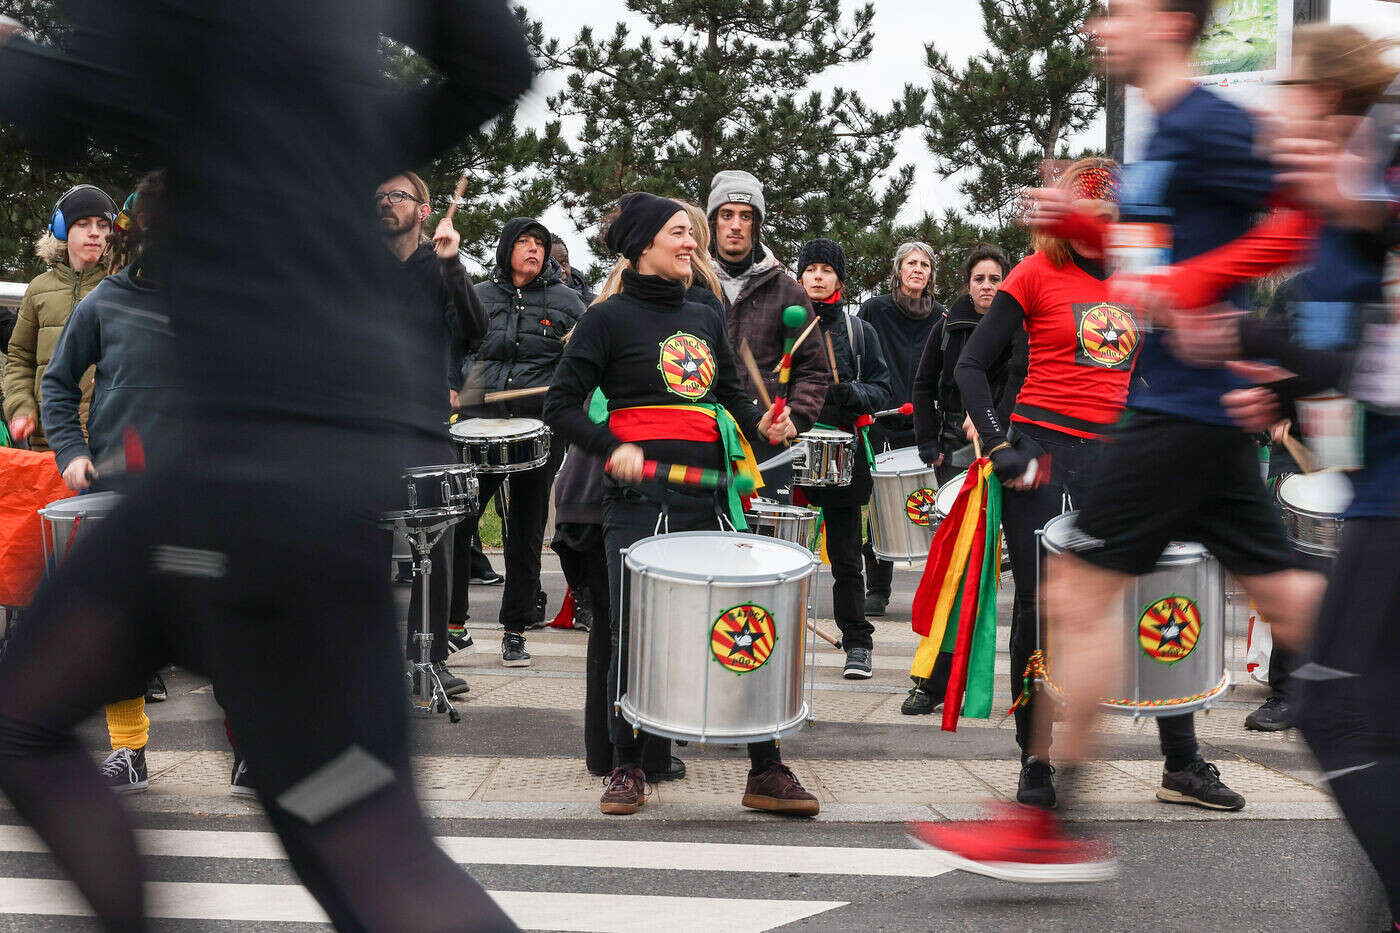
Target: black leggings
1350	691
629	515
241	582
1024	512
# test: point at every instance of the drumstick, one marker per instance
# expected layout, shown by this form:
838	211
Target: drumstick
906	409
470	398
801	337
699	477
831	358
756	377
834	642
1299	453
456	196
793	316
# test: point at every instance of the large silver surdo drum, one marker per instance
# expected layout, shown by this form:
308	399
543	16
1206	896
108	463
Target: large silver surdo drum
1312	505
65	519
502	445
717	636
1172	633
902	519
775	520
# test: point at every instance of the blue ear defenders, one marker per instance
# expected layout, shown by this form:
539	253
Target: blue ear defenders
58	224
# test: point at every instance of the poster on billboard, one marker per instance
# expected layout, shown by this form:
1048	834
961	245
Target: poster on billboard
1244	48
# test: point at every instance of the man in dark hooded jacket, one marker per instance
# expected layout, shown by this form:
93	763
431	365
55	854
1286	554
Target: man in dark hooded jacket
530	311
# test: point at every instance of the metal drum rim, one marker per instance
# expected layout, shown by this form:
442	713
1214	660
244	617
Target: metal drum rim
451	469
684	576
654	727
58	510
510	467
1163	559
488	438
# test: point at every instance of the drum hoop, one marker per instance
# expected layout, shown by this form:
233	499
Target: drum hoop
448	469
688	576
460	433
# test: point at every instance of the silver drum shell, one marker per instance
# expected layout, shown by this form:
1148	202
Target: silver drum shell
677	689
502	454
1153	687
64	519
786	522
1312	507
894	535
828	460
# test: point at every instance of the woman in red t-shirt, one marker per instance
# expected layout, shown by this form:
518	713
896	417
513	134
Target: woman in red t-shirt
1082	348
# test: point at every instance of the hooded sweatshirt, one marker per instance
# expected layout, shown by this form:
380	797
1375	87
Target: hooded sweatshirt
526	327
123	329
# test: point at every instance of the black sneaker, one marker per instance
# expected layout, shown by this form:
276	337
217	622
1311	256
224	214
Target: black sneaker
458	638
513	653
489	578
875	604
857	664
919	702
1199	785
239	783
155	690
1274	716
125	771
1037	786
452	685
674	772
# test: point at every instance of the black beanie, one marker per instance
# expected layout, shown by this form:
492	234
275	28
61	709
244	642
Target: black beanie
823	250
86	201
640	218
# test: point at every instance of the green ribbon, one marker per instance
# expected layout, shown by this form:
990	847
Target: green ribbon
733	445
598	407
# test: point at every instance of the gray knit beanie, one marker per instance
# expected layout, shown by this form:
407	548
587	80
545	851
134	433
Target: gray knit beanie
734	186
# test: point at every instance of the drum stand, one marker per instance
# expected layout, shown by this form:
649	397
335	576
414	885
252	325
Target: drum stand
422	539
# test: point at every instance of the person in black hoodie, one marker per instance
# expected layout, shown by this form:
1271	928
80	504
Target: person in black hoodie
902	319
860	386
938	406
531	311
614	349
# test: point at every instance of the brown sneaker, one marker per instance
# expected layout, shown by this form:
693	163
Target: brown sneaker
626	791
777	790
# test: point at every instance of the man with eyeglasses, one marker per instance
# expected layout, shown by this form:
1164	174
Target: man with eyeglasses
443	303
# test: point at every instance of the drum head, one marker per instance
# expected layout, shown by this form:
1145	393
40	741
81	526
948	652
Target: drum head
1058	533
948	494
445	469
828	434
903	460
489	428
1325	493
91	505
729	557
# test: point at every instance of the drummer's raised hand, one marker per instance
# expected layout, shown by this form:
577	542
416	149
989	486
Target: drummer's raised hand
626	463
446	239
779	430
79	474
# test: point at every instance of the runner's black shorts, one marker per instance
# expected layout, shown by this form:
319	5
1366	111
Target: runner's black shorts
1162	479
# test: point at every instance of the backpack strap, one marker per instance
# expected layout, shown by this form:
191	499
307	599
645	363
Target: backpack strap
855	336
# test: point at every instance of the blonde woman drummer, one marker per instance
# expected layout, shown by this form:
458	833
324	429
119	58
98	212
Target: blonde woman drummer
667	371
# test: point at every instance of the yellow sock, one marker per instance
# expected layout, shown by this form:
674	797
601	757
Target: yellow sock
127	724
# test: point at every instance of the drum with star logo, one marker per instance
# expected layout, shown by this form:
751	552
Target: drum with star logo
1171	636
718	636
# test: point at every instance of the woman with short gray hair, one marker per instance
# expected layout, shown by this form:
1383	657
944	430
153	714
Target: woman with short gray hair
902	320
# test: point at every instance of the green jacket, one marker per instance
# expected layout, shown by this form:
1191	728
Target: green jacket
43	311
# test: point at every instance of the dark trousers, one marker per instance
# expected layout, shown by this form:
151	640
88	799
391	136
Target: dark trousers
526	515
843	546
439	600
629	515
1350	691
468	561
186	572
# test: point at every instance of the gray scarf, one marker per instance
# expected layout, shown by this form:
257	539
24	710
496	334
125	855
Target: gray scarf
916	308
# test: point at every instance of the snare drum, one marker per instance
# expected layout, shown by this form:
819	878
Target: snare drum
1172	632
1312	505
436	495
827	458
902	517
717	636
788	522
62	520
502	445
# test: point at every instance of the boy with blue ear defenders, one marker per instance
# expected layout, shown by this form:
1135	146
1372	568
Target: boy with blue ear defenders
73	246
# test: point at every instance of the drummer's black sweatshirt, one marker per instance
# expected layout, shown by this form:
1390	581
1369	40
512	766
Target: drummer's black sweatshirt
647	346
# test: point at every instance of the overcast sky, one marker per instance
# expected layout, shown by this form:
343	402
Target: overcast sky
901	28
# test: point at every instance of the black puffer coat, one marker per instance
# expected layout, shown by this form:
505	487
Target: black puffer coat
525	335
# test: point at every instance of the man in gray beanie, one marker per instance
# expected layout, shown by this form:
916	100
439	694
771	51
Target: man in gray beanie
756	290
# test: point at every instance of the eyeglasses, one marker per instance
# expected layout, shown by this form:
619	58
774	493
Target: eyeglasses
396	197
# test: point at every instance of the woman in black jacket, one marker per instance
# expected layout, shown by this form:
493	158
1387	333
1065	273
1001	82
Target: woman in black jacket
938	407
614	348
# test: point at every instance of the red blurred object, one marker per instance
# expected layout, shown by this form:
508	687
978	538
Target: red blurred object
1017	844
565	616
29	480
